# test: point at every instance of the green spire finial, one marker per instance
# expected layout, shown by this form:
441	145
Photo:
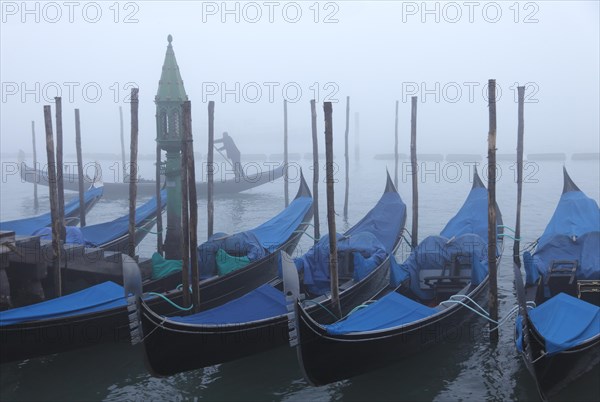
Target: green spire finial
170	39
170	86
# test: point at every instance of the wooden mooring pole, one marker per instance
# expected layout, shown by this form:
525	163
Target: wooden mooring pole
347	158
36	204
185	218
210	167
159	222
315	186
122	132
520	136
60	186
79	169
133	171
396	147
333	259
415	177
52	188
493	273
193	204
285	154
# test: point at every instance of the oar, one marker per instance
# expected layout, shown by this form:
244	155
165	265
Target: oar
224	157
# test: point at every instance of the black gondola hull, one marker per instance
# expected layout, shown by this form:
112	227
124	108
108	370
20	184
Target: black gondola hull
328	358
172	348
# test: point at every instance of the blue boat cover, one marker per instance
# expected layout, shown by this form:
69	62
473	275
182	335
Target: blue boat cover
392	310
572	234
369	242
575	215
27	226
104	296
102	233
436	254
565	322
472	216
254	243
74	234
263	302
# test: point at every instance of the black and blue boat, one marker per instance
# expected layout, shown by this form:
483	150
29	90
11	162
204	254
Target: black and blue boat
99	313
558	329
258	321
27	226
428	297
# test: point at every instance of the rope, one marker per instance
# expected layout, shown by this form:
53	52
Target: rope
359	307
149	231
509	236
172	303
305	233
507	227
323	307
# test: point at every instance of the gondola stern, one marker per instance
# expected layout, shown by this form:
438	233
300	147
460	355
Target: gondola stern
477	182
389	184
303	190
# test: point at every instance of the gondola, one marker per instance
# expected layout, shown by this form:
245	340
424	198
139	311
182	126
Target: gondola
99	313
559	338
147	188
114	235
425	302
27	226
257	321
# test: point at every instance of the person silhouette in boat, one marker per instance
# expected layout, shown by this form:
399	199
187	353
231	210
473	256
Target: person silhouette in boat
233	153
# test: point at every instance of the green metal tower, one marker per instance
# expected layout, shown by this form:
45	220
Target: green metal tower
169	126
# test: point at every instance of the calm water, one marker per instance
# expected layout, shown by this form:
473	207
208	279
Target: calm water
463	368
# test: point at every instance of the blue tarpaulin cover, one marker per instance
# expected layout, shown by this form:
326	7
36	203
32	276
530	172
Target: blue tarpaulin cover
390	311
96	298
74	234
102	233
472	216
261	303
28	226
573	233
255	243
369	241
435	253
565	321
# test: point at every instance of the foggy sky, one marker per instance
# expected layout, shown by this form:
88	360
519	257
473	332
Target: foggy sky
376	53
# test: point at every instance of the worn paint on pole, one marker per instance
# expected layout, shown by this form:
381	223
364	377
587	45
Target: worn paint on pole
333	259
493	292
159	221
413	166
133	171
185	217
56	227
315	186
210	207
79	169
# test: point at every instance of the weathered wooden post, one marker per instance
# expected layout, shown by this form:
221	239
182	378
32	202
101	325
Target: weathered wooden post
159	222
520	135
493	303
347	158
56	225
285	154
396	148
124	166
36	203
79	169
193	203
413	166
60	188
210	166
333	259
133	171
185	204
315	186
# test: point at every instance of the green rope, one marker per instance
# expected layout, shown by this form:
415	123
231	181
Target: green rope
507	227
304	232
509	236
149	231
323	307
172	303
